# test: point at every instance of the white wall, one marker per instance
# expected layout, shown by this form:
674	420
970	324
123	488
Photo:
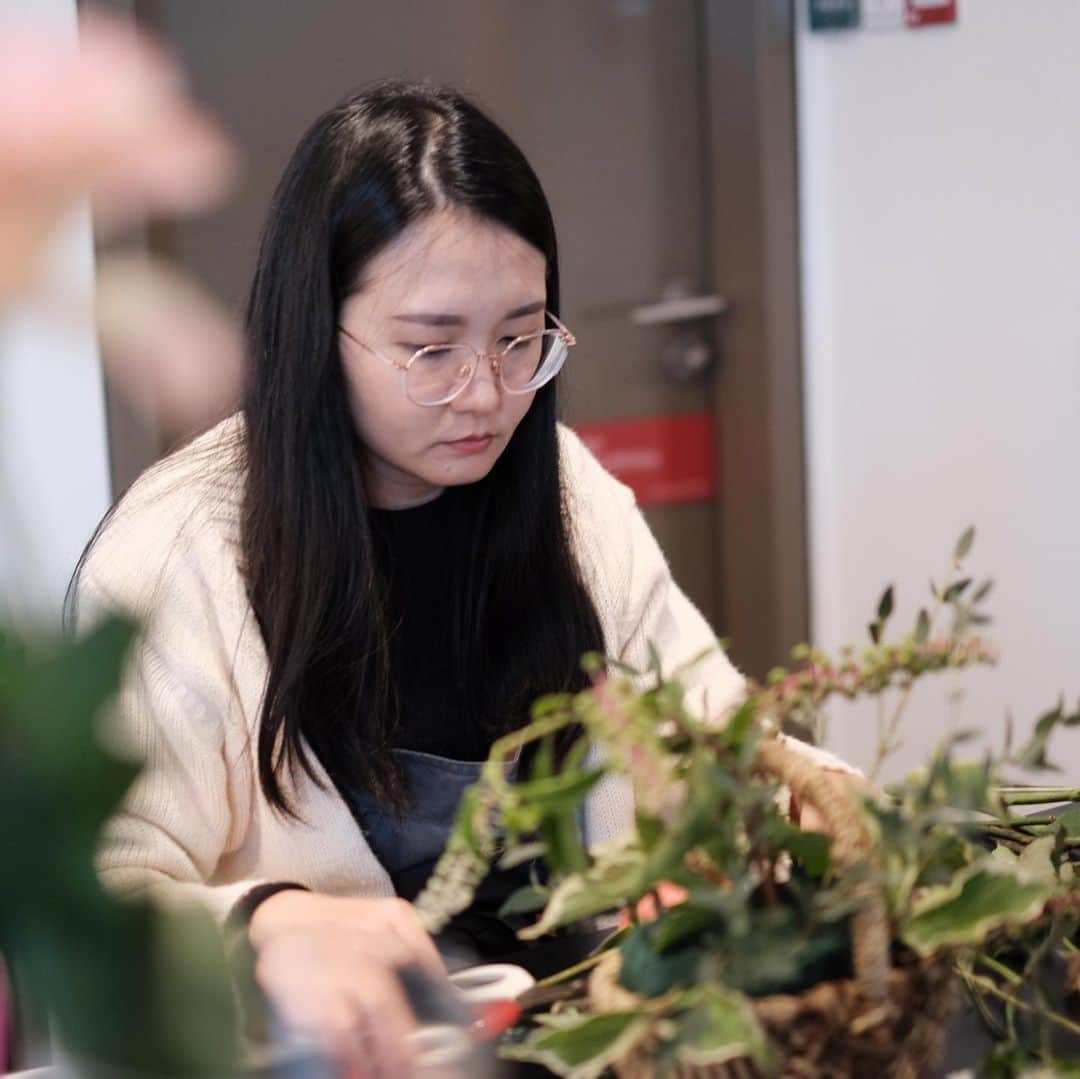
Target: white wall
53	458
940	178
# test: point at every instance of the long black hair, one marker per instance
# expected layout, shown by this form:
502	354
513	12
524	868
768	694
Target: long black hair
363	172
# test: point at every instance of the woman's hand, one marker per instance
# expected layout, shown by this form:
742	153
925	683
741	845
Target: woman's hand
396	919
329	966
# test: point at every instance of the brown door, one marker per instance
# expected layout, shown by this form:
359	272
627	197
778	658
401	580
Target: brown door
609	100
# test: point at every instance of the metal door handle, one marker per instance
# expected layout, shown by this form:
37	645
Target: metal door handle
678	309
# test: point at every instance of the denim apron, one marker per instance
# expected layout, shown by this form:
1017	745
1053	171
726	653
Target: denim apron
408	847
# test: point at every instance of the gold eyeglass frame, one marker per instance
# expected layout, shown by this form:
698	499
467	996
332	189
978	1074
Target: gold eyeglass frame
494	358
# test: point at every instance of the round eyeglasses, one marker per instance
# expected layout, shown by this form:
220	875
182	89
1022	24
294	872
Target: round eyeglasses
436	374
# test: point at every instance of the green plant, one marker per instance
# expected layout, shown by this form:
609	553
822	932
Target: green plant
127	987
768	908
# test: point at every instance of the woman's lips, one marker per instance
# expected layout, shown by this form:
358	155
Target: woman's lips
476	444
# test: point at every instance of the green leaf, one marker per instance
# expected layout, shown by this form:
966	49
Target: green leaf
83	955
1009	1059
775	953
681	923
982	591
1070	821
719	1027
59	775
972	785
604	887
587	1048
519	853
1036	865
566	789
656	664
699	822
550	705
1033	753
561	835
525	900
1004	859
885	605
739	727
963	544
959	784
812	849
874	629
652	973
974	904
521	820
922	627
195	990
688	666
824	956
543	765
1059	856
650	830
955	590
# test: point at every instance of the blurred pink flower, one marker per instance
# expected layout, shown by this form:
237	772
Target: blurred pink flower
110	117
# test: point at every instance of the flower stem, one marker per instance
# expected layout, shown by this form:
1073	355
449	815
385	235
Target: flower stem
988	986
570	972
1000	969
1030	796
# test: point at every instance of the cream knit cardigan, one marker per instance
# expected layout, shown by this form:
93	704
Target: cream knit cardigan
196	826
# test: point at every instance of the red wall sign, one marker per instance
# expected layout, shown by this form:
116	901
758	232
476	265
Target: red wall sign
930	12
662	459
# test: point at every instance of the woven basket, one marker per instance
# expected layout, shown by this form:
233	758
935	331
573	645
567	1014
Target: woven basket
885	1022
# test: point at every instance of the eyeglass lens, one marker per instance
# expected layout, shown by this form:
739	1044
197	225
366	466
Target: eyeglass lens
437	373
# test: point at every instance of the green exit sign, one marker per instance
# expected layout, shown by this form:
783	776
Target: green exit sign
834	14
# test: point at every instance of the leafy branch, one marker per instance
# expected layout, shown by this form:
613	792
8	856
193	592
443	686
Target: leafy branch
796	698
768	909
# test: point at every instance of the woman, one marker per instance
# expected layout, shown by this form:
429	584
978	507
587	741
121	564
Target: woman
352	587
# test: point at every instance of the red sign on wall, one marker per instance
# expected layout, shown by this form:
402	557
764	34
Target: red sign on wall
663	459
930	12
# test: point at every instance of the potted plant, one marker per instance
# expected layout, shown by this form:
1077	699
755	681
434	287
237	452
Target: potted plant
839	952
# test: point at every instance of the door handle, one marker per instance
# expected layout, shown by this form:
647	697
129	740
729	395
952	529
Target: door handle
678	309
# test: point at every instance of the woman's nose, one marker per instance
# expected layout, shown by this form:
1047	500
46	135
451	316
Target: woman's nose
483	392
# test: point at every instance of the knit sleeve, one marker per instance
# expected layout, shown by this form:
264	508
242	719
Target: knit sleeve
659	613
177	712
641	607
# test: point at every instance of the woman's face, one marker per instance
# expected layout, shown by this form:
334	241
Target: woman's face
450	278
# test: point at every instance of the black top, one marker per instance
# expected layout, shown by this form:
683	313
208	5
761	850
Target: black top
419	552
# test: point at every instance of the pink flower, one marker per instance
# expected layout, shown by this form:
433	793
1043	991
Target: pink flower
110	117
